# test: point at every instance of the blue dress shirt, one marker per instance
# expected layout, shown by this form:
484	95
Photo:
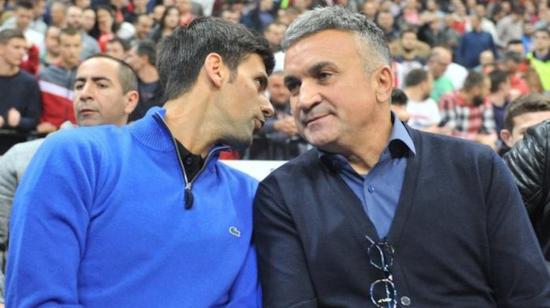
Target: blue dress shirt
380	188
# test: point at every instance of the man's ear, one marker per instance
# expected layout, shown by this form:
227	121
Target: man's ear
506	136
383	80
214	68
132	98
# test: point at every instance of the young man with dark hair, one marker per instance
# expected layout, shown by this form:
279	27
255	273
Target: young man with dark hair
423	110
467	113
20	105
56	83
524	112
539	58
142	58
145	215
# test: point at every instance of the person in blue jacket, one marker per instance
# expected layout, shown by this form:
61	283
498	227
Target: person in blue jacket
145	215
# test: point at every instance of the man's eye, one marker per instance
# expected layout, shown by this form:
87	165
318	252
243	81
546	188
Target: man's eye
78	86
324	76
292	86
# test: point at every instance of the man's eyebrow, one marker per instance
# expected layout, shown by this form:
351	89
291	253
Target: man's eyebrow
95	79
316	68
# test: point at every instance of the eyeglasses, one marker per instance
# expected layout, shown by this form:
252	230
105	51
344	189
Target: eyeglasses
382	291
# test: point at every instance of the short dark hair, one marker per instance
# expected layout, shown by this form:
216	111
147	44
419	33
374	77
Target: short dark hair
181	55
473	79
147	48
533	102
24	4
124	43
416	77
514	42
70	31
497	77
7	34
126	75
398	97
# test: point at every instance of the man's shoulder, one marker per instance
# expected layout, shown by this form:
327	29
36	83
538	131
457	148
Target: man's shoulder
450	149
87	137
299	168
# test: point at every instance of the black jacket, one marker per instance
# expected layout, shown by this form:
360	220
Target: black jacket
460	233
529	161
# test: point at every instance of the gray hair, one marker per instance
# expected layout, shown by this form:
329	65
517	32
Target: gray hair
338	18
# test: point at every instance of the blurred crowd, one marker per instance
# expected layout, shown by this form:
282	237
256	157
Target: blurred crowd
459	64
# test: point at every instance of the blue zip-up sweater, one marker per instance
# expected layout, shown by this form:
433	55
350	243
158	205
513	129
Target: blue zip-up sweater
99	220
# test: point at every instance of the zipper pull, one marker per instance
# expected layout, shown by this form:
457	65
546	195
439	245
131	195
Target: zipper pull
188	197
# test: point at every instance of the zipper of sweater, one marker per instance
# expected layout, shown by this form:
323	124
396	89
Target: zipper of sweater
188	193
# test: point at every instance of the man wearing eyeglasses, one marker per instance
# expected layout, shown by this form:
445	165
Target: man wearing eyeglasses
380	214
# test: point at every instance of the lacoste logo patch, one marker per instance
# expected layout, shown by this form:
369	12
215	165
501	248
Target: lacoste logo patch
233	230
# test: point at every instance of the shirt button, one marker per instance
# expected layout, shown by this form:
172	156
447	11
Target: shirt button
405	301
370	189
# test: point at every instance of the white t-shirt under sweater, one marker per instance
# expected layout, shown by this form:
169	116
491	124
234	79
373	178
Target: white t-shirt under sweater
423	114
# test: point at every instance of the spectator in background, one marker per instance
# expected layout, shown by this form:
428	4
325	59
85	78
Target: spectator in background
524	112
399	102
110	104
511	63
158	12
83	4
260	16
139	7
185	8
117	48
274	34
278	139
529	162
23	17
473	43
105	27
487	62
386	22
511	26
410	53
56	83
370	9
58	12
88	20
422	109
89	44
142	58
232	15
143	25
20	97
438	62
539	58
499	96
168	23
50	52
467	113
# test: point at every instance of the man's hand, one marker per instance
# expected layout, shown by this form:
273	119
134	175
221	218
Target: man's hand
14	117
1	124
45	127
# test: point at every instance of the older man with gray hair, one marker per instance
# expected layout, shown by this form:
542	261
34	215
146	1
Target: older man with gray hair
379	213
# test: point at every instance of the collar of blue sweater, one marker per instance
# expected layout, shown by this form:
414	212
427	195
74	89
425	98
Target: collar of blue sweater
152	131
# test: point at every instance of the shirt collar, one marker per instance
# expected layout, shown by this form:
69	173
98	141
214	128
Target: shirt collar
399	145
